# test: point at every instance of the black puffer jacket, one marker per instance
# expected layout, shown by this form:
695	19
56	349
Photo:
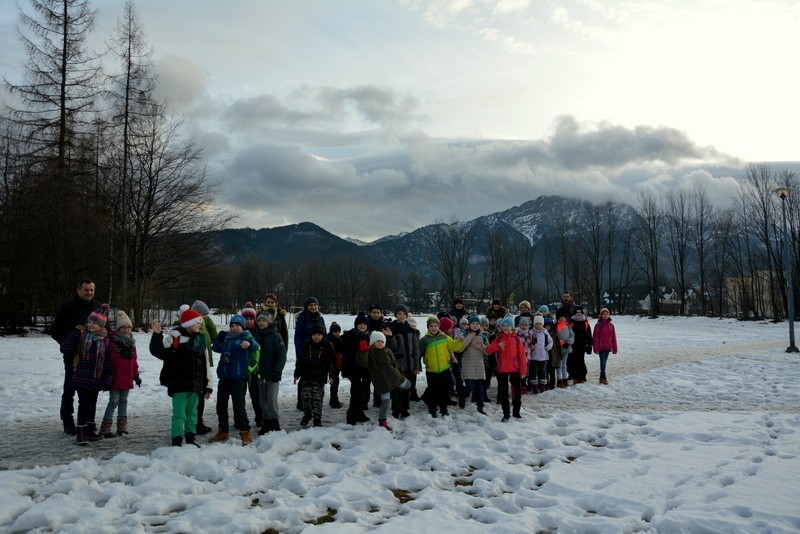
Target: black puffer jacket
352	345
72	313
315	362
273	353
185	370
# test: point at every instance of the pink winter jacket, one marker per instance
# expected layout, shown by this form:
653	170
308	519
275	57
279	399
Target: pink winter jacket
124	369
511	358
604	336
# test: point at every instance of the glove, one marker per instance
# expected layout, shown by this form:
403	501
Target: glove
137	380
363	346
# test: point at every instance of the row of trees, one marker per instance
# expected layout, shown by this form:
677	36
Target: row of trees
98	178
678	253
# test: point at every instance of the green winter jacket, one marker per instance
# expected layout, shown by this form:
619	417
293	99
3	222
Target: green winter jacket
382	367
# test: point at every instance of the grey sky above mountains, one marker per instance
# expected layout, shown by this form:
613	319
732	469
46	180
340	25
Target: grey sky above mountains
374	118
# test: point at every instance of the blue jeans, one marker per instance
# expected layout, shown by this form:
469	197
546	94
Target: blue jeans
603	359
117	398
561	372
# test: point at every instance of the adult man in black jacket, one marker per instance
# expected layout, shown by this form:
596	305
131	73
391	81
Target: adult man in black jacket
72	314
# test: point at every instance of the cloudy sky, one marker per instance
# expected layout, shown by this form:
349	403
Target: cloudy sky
372	118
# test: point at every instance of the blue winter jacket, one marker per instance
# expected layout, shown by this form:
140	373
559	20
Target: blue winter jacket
236	363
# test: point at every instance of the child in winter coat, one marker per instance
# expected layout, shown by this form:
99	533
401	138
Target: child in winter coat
566	338
313	366
271	361
527	336
89	348
404	344
582	346
540	348
310	316
604	340
186	372
334	337
383	372
554	354
238	361
354	341
126	372
512	366
437	350
473	370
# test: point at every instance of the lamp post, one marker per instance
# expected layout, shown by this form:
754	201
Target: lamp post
783	194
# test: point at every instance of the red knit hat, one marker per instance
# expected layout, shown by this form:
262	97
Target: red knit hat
446	324
189	316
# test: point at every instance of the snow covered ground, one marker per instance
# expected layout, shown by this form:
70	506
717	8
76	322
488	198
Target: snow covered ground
698	430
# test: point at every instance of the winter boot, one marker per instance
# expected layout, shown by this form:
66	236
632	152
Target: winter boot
122	425
505	418
219	436
69	427
91	432
351	420
201	429
190	440
80	432
105	429
334	403
177	441
462	402
265	427
305	420
362	418
385	424
246	438
275	425
604	380
542	388
317	421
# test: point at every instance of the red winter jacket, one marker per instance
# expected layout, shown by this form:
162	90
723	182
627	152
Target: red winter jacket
511	358
125	369
604	336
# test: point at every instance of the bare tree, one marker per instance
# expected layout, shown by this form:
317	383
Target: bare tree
449	255
648	244
591	246
678	225
702	214
500	251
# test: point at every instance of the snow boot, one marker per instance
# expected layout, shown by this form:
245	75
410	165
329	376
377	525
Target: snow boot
505	418
91	432
305	420
105	429
80	432
69	427
317	421
604	380
201	429
122	425
334	403
274	425
462	402
385	424
219	436
177	441
246	438
190	440
265	427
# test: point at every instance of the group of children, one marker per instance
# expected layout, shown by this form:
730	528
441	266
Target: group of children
528	353
102	360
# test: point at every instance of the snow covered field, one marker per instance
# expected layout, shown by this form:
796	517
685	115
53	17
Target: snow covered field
698	430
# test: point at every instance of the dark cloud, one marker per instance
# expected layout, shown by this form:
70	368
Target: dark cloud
423	179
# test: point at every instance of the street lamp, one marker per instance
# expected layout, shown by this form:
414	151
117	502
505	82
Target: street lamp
783	194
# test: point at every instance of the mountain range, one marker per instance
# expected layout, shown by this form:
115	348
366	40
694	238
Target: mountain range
530	222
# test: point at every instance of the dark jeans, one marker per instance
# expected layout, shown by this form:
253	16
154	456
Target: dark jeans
235	389
87	404
359	395
471	385
503	380
68	396
201	406
603	360
401	398
438	391
252	386
334	386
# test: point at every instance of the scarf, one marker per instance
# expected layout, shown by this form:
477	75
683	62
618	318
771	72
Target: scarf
124	344
90	339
